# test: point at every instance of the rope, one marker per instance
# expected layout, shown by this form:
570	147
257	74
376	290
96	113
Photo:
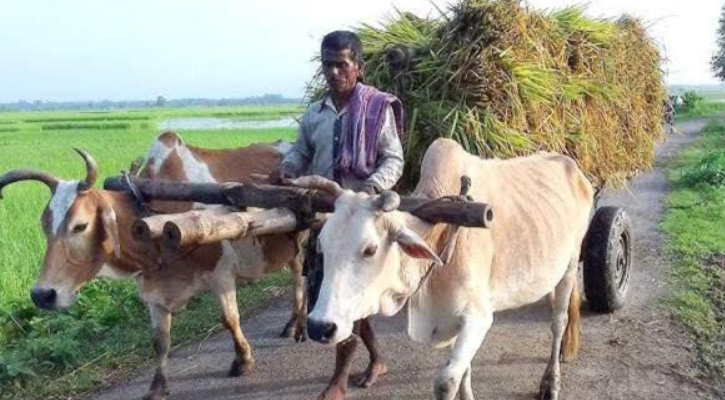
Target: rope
140	202
304	213
452	239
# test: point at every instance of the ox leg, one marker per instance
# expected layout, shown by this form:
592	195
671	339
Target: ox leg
551	382
376	367
466	390
297	325
161	321
470	338
227	297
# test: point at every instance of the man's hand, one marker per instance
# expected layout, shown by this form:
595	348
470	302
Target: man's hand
370	189
279	176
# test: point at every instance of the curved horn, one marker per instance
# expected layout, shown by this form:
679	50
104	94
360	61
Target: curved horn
27	175
387	201
91	170
319	183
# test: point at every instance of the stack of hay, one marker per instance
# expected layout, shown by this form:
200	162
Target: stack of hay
504	80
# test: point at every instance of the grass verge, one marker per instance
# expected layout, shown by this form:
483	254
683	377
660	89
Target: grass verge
694	224
102	339
703	109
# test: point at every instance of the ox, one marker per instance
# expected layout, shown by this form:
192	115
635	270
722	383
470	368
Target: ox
377	258
88	235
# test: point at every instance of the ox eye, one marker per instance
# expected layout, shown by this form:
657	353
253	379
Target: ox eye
370	250
80	228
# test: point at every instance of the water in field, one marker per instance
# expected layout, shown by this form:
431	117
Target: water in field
207	123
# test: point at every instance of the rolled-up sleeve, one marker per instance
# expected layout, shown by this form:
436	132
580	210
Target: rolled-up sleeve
297	160
390	162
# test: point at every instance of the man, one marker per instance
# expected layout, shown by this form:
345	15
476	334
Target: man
669	113
352	137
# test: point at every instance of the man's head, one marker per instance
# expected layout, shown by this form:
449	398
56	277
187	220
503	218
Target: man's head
342	62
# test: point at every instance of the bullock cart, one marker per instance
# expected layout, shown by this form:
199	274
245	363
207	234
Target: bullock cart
607	259
606	255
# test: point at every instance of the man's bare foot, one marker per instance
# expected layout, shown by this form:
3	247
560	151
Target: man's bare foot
333	392
374	371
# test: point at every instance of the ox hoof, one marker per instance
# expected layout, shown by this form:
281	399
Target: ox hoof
156	395
295	330
370	376
239	368
548	391
301	335
549	395
445	388
289	330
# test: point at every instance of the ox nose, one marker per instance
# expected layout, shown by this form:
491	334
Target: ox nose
321	331
43	298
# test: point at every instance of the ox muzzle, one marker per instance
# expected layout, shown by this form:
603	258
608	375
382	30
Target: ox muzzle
44	298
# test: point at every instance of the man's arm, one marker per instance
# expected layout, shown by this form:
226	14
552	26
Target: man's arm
297	160
390	156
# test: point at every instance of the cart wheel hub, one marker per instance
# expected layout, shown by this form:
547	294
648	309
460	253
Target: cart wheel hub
622	258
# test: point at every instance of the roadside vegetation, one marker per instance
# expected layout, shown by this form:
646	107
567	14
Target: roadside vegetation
694	224
696	105
106	333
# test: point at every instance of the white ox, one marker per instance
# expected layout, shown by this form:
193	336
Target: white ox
376	258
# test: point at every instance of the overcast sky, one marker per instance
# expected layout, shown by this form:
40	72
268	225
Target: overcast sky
138	49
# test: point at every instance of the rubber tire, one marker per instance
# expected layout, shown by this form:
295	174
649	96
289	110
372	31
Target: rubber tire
607	259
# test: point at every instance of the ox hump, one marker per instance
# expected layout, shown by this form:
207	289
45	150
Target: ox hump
161	149
170	145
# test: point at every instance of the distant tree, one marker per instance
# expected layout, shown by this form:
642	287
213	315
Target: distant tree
161	101
718	60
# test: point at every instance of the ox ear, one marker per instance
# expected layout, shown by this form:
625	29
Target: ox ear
415	246
112	241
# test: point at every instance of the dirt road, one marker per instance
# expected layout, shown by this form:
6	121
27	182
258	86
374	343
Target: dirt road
633	354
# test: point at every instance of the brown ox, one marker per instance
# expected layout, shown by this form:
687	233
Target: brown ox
377	258
88	235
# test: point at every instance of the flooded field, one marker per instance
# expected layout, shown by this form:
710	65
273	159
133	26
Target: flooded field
205	123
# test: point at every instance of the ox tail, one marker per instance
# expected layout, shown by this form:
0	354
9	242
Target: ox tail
570	342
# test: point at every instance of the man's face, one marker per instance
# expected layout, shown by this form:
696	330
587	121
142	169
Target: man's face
341	71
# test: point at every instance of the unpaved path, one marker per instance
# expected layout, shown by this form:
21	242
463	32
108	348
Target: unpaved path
633	354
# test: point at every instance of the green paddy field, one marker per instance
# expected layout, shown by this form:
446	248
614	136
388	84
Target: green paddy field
46	355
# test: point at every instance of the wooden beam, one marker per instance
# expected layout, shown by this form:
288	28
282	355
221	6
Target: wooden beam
463	213
195	228
152	228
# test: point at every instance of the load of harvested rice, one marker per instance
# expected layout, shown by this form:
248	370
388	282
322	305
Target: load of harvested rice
505	80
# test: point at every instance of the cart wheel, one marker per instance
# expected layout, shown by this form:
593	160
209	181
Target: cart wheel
607	259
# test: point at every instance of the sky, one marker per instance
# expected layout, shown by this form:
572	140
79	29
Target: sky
76	50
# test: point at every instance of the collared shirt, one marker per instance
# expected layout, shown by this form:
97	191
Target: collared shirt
318	140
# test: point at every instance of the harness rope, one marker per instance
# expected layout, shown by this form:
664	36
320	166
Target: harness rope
447	252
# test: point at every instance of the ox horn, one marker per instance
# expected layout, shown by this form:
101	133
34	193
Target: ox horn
387	201
319	183
91	170
27	175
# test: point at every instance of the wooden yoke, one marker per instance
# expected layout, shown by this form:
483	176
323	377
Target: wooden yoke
444	210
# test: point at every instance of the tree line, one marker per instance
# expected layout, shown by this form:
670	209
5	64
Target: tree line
160	101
